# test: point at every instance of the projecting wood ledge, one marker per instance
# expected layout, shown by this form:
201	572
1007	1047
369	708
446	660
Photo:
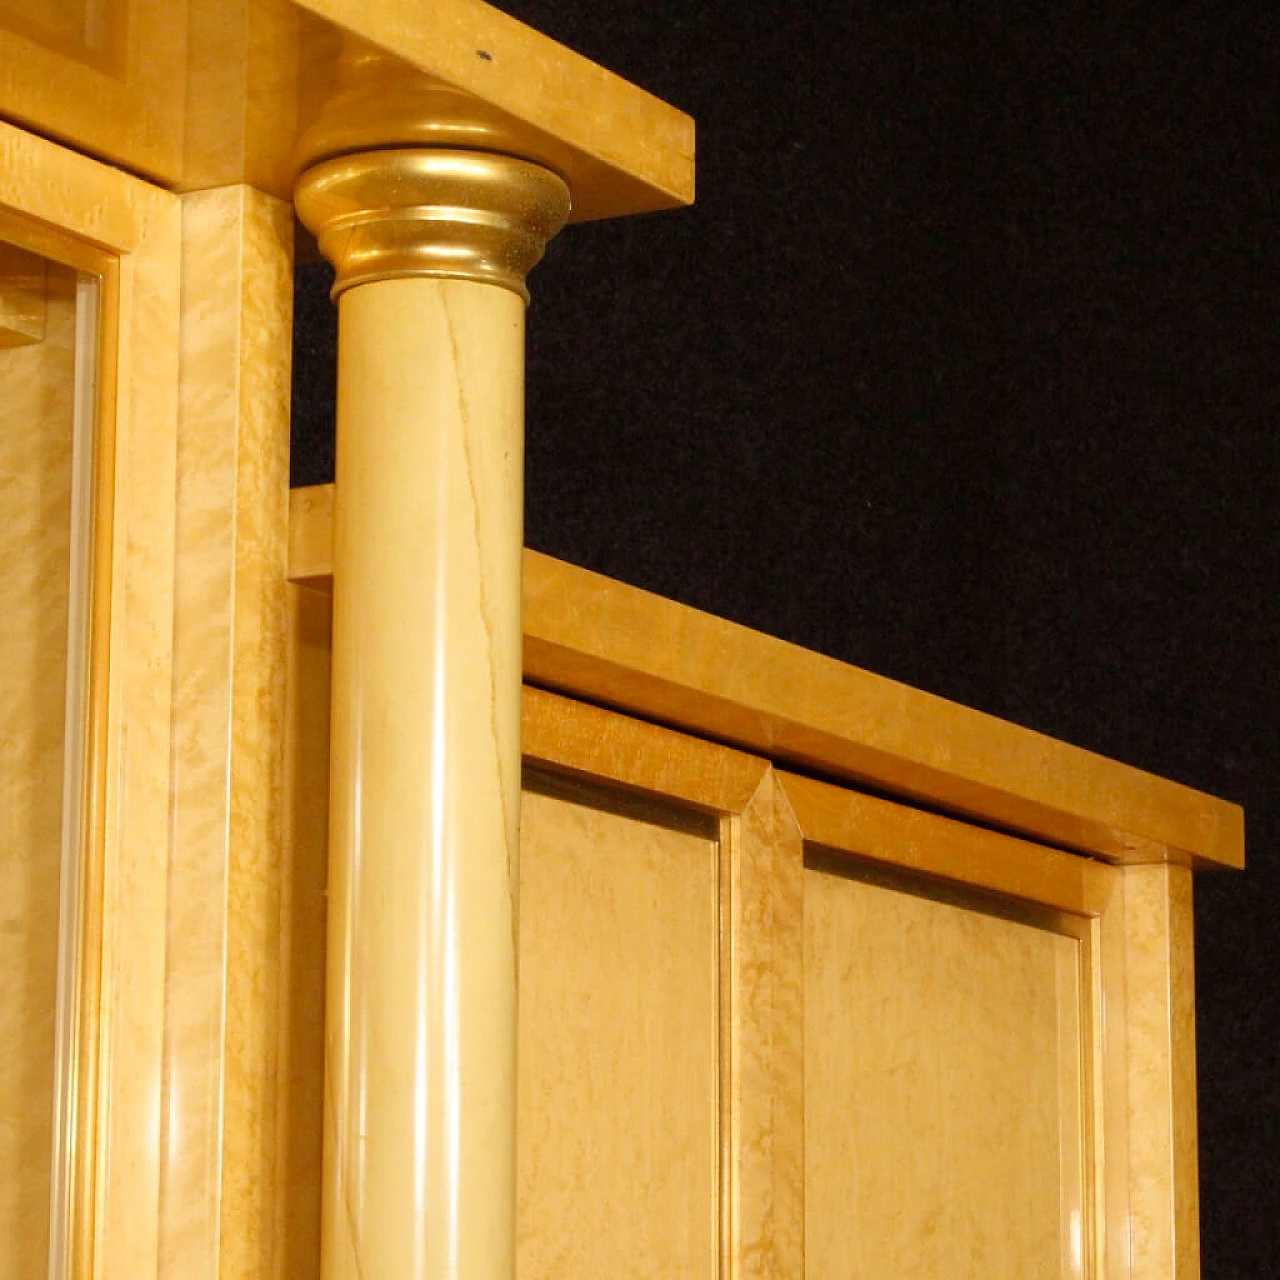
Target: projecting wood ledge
622	647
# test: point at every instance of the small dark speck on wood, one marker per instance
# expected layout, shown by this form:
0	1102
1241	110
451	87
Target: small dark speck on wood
485	54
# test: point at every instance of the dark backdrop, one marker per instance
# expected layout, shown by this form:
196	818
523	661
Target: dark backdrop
965	368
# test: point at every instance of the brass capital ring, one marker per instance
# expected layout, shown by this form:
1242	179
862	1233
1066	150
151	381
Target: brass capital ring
464	215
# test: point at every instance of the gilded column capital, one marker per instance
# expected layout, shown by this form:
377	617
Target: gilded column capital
405	176
464	215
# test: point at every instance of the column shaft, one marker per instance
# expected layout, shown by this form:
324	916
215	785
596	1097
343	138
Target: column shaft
420	1041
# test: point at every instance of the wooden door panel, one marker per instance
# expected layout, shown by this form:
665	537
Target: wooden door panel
944	1094
618	1103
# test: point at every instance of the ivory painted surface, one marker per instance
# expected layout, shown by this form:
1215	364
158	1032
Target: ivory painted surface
99	220
226	876
37	404
425	787
619	952
943	1095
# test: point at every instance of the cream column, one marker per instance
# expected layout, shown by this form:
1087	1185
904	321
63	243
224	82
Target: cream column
431	247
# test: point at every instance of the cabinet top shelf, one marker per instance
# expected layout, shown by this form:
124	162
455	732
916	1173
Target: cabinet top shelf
193	94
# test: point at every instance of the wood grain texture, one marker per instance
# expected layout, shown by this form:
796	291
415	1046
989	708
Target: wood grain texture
943	1111
620	149
577	738
762	976
300	1076
226	870
618	1145
208	93
1160	1029
101	81
22	298
876	830
600	640
36	482
99	220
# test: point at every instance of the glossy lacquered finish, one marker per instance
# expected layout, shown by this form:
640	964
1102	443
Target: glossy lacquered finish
439	212
424	809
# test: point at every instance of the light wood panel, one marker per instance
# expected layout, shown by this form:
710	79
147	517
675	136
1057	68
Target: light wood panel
944	1103
300	1079
762	1052
619	1038
576	738
226	882
1161	1056
37	408
98	220
606	642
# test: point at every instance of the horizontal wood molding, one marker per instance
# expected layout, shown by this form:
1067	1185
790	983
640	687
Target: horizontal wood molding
914	840
613	644
579	738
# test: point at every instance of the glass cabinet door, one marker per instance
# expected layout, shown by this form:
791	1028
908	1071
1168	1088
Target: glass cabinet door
48	340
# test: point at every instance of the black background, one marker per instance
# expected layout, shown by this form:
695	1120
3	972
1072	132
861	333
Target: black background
964	368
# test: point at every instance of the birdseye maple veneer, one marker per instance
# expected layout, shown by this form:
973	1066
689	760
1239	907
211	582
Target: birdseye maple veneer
382	900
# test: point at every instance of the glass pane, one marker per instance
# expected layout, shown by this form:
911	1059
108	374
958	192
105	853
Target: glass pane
47	345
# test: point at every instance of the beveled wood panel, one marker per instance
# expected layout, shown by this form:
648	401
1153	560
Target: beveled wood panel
37	404
606	642
944	1098
619	1045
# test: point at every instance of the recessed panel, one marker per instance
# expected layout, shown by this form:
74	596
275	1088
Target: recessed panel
38	393
943	1088
618	1044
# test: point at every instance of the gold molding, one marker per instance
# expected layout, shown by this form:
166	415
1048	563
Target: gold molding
463	215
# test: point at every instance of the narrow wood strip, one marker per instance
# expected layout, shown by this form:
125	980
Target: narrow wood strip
762	1054
912	840
609	747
